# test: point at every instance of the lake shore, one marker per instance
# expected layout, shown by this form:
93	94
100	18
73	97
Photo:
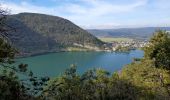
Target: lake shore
44	53
25	55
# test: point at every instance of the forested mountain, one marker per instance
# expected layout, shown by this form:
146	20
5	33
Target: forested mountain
136	33
39	33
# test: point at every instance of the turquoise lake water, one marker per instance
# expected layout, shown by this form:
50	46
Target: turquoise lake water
54	64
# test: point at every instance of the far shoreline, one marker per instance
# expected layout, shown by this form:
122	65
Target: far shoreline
44	53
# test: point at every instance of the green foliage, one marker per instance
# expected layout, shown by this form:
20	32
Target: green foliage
159	49
10	88
93	84
153	82
140	80
6	52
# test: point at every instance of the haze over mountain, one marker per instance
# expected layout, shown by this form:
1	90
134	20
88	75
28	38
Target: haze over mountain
136	33
39	33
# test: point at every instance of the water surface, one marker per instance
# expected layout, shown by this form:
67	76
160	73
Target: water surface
54	64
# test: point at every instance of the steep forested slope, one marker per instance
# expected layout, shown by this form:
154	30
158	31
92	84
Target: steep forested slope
38	33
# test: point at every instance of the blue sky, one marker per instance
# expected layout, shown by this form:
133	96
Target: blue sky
100	14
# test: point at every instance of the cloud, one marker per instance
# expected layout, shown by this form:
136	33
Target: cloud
96	7
103	26
101	7
25	7
82	12
87	13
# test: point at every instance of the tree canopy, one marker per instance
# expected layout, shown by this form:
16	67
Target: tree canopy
159	49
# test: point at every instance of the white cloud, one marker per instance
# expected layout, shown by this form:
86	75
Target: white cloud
102	26
97	8
88	13
25	7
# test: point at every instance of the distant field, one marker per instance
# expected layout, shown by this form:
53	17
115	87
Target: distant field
115	39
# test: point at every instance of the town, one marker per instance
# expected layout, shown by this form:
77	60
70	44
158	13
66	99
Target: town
125	45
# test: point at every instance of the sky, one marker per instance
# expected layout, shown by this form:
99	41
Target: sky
99	14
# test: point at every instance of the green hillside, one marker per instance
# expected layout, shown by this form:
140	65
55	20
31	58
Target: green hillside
39	33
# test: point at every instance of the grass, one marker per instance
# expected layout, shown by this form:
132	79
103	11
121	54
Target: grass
106	39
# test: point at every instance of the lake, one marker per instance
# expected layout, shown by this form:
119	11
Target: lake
54	64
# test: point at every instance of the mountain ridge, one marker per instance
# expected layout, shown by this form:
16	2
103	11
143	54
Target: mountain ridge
40	33
136	33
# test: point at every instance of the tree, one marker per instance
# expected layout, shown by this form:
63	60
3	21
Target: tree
159	49
10	85
93	84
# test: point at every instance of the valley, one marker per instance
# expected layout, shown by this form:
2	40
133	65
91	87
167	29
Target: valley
84	50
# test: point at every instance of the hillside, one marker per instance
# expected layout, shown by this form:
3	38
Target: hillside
135	33
39	33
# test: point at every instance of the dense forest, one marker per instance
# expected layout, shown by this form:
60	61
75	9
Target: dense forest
144	79
39	33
